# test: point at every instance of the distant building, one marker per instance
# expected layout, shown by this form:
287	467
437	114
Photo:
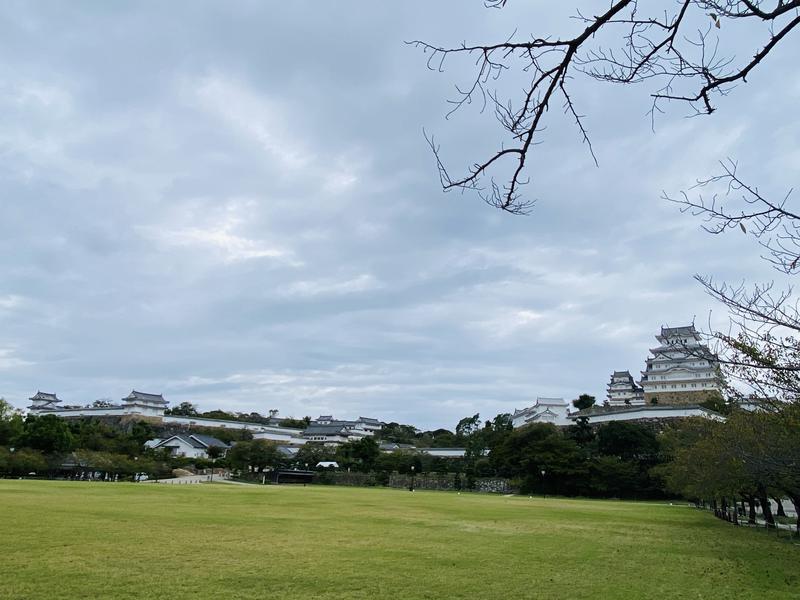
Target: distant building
681	370
643	414
152	405
545	410
332	432
135	403
623	391
190	446
438	452
43	401
370	424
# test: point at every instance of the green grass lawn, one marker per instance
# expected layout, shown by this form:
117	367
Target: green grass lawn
108	541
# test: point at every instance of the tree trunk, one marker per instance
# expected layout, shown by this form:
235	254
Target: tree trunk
796	503
781	512
766	508
751	515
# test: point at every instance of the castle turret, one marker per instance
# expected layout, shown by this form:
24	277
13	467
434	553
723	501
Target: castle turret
43	402
623	391
144	404
681	370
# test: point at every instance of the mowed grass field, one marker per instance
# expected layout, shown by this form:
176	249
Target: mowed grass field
109	541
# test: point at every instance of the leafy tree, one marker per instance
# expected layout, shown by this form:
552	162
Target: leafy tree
438	438
313	453
751	456
24	461
256	455
615	477
529	450
215	452
584	401
360	454
467	426
239	456
184	409
218	414
47	433
141	431
627	441
5	460
11	424
6	410
296	423
398	433
263	454
496	430
582	432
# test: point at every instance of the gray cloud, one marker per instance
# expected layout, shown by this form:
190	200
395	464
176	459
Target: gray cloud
235	206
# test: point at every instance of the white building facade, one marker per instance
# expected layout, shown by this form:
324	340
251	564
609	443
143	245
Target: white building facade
189	446
597	415
623	391
545	410
135	403
681	369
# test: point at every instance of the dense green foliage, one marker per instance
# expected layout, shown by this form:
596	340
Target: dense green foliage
62	540
187	409
750	458
584	401
613	461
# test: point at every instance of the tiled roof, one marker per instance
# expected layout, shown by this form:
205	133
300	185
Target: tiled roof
550	401
134	395
45	396
332	429
683	330
207	441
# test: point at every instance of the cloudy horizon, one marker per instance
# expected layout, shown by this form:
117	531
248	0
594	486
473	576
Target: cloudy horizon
235	206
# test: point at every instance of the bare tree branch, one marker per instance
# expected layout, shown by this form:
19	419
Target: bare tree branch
741	206
650	46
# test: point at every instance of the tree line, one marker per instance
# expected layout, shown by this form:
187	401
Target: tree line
736	466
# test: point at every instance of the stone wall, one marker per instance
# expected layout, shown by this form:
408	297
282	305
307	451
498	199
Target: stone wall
426	481
345	478
681	398
450	481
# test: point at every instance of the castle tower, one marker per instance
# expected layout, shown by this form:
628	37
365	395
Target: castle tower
152	405
623	391
43	402
681	370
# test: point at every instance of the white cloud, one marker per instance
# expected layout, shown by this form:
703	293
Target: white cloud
10	361
222	236
254	116
364	282
10	302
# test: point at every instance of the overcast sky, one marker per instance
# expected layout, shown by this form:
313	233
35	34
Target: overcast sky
233	204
